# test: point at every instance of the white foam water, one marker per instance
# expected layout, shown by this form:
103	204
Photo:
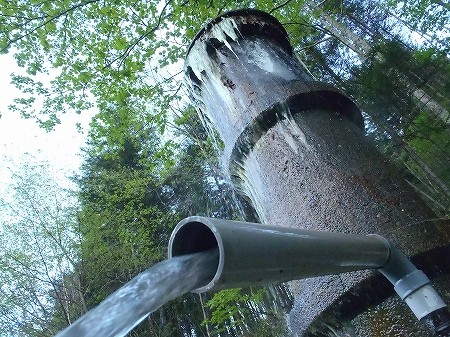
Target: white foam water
128	306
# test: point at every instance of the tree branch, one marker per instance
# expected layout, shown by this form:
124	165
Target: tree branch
81	4
128	50
279	6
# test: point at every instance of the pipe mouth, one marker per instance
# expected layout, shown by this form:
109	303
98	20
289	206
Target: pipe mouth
194	235
257	22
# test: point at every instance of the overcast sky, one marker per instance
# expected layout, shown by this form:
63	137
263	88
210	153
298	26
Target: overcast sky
18	136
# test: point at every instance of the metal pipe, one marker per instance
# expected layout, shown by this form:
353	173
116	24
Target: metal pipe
255	254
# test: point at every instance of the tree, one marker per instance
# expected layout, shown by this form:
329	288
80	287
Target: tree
126	216
39	250
429	18
131	50
249	312
404	129
361	48
196	185
122	220
102	52
123	57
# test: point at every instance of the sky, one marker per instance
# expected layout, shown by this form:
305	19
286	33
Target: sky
18	136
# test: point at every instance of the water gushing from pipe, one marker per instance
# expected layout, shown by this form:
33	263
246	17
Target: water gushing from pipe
127	307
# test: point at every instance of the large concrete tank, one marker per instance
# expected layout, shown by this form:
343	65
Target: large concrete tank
295	147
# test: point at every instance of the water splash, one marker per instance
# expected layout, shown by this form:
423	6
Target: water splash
123	310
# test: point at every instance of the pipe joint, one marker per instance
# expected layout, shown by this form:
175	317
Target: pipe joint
397	267
254	254
424	301
410	283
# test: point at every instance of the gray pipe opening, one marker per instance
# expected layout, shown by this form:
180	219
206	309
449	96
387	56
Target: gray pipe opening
193	236
255	254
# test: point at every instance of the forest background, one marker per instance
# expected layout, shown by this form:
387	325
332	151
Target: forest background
148	162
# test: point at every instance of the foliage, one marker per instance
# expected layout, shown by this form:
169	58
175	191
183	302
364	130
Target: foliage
431	143
149	162
103	53
122	221
416	140
248	312
427	17
229	309
38	252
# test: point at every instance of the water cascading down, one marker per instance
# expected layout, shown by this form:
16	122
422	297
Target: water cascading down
295	147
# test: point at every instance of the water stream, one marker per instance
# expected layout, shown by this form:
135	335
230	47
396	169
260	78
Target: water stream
124	309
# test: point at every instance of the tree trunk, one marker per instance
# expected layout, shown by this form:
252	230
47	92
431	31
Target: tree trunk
208	333
363	49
